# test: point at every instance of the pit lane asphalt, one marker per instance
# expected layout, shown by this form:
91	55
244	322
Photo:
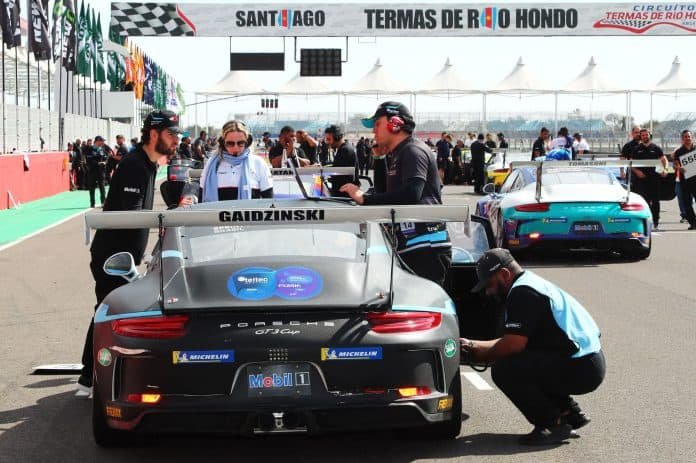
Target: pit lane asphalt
644	411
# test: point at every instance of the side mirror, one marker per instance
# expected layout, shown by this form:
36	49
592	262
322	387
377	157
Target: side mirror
122	265
489	188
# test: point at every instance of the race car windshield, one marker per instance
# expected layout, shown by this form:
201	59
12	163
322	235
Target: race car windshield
575	177
276	242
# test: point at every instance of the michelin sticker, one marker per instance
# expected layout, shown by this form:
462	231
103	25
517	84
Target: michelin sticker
104	357
290	283
202	356
351	353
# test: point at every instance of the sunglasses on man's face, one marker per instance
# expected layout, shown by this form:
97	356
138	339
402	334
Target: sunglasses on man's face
231	143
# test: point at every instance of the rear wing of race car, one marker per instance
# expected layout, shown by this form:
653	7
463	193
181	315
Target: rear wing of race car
273	216
542	165
195	174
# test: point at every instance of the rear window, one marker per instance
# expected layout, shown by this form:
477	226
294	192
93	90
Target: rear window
577	177
469	241
246	242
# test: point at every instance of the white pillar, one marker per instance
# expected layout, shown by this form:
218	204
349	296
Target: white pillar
651	112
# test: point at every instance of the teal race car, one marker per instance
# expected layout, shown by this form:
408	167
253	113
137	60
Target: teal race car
569	205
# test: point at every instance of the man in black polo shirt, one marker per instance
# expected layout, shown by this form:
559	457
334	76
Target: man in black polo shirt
632	144
550	349
285	150
344	157
478	162
645	179
132	188
686	185
539	146
412	178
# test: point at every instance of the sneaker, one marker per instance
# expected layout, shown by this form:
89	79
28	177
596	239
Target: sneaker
576	420
692	227
555	434
84	387
682	220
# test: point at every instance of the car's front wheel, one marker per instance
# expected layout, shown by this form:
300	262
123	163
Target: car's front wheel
104	435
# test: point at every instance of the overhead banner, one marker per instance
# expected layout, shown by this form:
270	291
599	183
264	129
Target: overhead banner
379	19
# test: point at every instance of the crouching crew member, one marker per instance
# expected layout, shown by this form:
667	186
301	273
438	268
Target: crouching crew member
550	349
132	188
412	178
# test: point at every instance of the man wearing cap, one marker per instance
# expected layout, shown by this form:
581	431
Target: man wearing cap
96	167
412	178
132	188
550	349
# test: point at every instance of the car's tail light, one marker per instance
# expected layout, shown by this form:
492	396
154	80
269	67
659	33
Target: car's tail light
534	236
414	391
172	177
374	390
144	398
533	207
161	327
632	207
403	322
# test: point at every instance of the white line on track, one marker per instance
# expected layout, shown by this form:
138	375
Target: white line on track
478	382
48	227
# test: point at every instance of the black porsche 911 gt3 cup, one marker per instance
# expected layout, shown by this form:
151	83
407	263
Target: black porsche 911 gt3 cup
262	317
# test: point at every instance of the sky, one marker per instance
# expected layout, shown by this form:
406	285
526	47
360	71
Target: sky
633	61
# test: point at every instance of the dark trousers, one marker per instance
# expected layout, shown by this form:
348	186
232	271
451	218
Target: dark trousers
649	189
95	177
540	383
478	177
688	195
103	285
428	262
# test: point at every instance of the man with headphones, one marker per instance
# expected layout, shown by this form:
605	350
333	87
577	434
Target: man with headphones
345	157
412	178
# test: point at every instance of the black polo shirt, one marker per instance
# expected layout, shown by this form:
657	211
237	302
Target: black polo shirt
647	152
478	150
538	148
682	150
528	313
629	148
132	188
345	157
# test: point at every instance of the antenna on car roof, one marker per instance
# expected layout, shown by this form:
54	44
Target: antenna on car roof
393	256
160	240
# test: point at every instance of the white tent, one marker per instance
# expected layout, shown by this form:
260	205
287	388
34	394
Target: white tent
591	80
378	81
676	80
448	81
300	85
234	83
521	80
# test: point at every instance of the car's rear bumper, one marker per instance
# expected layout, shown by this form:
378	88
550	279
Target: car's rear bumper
207	415
575	242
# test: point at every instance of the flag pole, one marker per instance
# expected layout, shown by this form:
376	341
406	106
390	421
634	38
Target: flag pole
4	116
16	96
28	95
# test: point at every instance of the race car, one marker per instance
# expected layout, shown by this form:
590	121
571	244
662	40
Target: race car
569	204
264	316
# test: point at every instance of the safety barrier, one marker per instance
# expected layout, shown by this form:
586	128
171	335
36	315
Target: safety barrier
32	176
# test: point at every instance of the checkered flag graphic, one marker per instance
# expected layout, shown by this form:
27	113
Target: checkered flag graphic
135	19
633	25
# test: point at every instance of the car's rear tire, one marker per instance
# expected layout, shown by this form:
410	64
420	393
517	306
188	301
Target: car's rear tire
104	435
451	428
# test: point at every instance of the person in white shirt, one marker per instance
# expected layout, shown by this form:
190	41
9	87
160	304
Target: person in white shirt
580	145
235	173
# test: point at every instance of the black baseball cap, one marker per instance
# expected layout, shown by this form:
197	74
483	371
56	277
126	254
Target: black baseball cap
98	138
163	119
490	262
391	108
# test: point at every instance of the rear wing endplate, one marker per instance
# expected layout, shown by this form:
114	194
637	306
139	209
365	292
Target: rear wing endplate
628	163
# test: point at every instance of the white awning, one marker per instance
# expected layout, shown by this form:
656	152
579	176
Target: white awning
378	81
448	80
676	80
592	80
304	85
522	80
234	83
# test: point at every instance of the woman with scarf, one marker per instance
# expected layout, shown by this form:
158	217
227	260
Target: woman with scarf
235	173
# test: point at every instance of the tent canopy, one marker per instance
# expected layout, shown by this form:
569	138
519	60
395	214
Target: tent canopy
300	85
448	80
378	81
234	83
591	80
522	80
676	80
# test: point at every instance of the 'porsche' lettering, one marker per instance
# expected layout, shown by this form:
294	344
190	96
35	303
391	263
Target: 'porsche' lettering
276	215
